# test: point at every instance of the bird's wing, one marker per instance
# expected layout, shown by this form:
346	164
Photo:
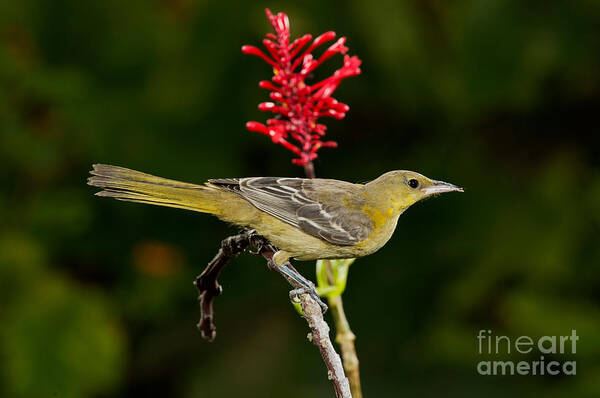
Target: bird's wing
326	209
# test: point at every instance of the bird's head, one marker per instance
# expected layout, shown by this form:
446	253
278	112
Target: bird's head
405	188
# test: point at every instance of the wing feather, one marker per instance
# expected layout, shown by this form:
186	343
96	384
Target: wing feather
318	207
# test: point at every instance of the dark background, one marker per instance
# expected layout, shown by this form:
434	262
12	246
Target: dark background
501	97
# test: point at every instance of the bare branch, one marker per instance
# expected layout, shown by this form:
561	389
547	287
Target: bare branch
208	288
320	338
208	285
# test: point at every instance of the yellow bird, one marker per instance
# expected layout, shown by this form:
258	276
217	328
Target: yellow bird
306	219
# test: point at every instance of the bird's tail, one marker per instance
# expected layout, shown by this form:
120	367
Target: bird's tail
130	185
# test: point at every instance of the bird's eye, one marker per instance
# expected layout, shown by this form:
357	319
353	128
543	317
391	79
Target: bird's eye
413	183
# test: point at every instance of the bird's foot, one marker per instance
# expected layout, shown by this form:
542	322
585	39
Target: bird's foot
301	285
258	242
312	292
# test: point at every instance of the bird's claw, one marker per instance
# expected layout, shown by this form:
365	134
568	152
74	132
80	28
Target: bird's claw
296	293
257	241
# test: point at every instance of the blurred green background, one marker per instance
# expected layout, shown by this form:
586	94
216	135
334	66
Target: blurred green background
501	97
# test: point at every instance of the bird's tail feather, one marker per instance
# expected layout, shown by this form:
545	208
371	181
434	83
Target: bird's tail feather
130	185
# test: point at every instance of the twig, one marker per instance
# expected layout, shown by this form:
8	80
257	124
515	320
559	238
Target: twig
208	288
320	337
208	285
319	329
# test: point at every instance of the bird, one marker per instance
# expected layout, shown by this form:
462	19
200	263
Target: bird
306	219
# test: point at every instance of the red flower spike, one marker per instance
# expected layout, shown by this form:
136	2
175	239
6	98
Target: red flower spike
297	104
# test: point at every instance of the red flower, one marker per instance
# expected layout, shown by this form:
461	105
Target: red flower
296	104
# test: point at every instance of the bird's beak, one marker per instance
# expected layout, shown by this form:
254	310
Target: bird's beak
440	187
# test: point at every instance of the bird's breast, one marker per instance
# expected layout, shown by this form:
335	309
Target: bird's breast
384	225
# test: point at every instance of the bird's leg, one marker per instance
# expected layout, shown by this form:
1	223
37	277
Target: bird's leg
300	284
281	257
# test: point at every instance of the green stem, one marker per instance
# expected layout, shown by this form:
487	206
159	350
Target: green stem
344	336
